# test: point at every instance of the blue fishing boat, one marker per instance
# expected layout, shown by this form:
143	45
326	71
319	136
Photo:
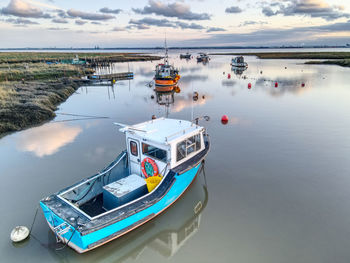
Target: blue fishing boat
162	159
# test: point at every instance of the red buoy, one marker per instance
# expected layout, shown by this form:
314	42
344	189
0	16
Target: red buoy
224	119
303	85
228	75
276	84
249	85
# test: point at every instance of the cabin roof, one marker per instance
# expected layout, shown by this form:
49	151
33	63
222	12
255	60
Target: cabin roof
162	130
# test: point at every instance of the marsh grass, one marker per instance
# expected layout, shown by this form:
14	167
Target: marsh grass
42	57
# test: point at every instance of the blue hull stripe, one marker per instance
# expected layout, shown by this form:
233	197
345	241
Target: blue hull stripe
82	242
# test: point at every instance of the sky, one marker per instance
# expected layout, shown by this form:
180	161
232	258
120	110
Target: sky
186	23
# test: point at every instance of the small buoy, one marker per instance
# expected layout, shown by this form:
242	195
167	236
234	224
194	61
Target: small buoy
249	85
224	119
285	67
152	97
154	117
19	233
203	97
228	75
261	72
276	84
303	85
223	73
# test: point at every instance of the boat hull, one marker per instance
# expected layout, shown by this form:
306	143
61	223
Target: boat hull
83	242
166	82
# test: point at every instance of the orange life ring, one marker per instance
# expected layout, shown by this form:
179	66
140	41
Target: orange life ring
149	167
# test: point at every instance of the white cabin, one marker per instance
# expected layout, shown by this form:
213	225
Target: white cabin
168	142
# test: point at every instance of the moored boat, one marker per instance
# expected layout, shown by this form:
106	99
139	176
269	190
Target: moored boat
202	57
166	74
120	198
185	56
238	62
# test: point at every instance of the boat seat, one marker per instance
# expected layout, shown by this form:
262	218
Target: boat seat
123	191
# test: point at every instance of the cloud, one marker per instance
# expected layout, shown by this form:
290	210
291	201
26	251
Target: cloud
80	22
57	28
215	29
265	37
248	23
110	11
47	139
20	21
312	8
183	25
23	9
95	23
233	10
88	16
118	29
177	9
146	22
60	21
152	22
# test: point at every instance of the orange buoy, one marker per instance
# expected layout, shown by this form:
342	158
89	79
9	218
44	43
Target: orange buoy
276	84
224	119
249	85
228	75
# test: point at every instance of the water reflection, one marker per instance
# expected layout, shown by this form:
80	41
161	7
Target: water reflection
164	236
238	70
47	139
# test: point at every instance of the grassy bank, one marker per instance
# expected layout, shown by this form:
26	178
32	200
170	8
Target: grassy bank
30	103
41	57
31	89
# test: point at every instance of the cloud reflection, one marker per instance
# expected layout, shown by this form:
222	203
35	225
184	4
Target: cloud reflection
47	139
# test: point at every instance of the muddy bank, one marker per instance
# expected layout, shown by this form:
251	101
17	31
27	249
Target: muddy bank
343	63
31	103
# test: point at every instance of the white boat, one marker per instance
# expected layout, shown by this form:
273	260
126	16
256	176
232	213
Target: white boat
238	62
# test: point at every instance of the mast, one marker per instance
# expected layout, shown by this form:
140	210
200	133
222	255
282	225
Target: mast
166	51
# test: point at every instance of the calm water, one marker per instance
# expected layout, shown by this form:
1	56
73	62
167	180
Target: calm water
278	173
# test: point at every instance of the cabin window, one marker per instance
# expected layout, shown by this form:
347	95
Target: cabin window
133	148
188	146
154	152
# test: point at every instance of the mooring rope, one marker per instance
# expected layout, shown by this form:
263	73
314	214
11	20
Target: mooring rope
31	227
79	115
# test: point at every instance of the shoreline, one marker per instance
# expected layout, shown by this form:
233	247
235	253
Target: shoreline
31	89
338	58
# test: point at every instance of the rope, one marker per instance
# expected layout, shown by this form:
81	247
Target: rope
78	115
65	245
36	212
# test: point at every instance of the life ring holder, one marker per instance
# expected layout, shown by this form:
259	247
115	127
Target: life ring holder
152	163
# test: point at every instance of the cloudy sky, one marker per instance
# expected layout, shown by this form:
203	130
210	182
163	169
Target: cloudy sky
144	23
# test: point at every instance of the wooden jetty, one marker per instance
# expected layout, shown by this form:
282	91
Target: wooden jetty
110	77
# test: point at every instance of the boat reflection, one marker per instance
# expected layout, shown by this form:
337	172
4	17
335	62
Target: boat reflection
164	235
238	70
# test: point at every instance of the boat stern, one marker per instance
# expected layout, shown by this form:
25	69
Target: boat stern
64	231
